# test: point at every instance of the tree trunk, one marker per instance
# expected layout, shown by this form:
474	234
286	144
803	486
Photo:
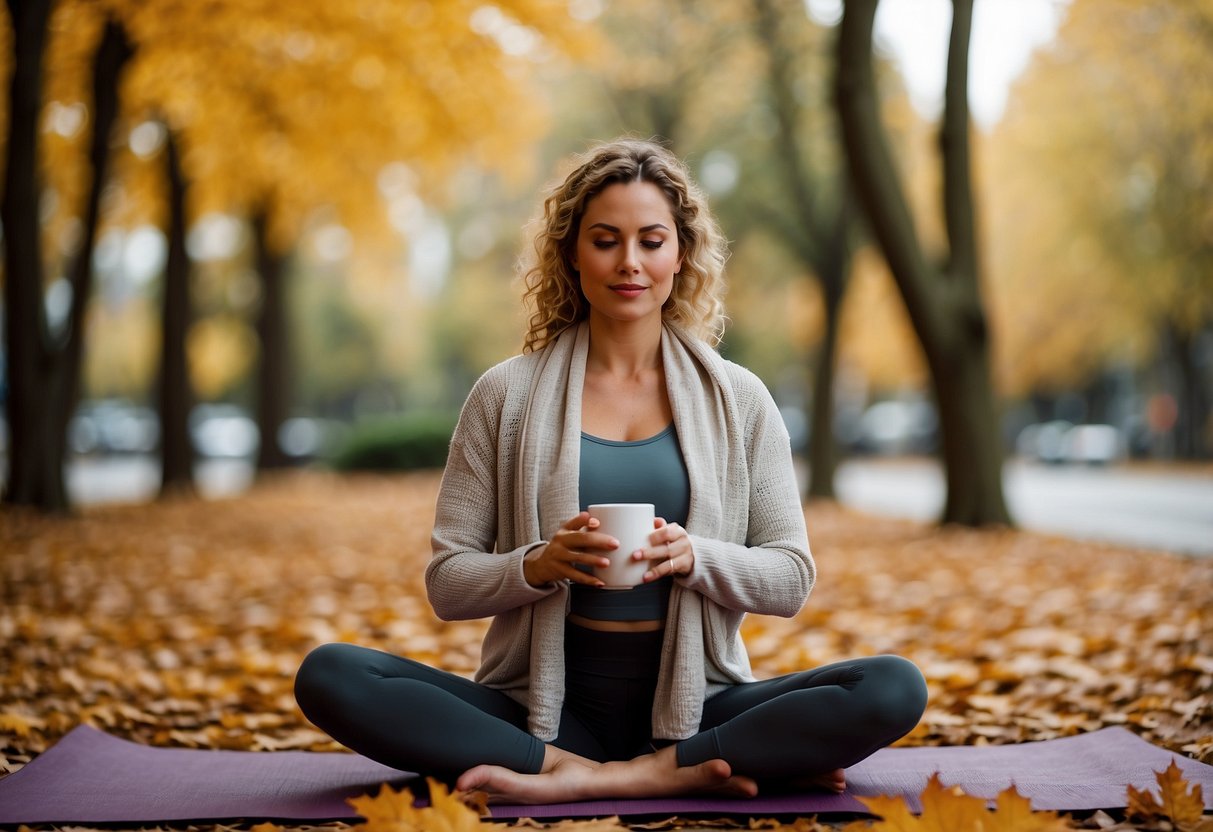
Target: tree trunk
834	270
943	302
823	448
1189	396
970	439
44	368
112	55
273	382
176	396
35	475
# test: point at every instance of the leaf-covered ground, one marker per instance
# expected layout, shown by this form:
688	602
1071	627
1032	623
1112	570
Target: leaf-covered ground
182	622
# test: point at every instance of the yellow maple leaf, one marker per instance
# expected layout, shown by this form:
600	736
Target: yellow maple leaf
450	811
1143	804
1013	813
894	813
19	724
1183	805
394	811
388	811
948	809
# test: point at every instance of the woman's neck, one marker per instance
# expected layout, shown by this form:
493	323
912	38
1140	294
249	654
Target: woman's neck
624	348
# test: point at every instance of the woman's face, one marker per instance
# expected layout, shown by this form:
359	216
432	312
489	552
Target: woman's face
627	252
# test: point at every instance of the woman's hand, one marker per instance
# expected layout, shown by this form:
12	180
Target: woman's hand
575	542
670	551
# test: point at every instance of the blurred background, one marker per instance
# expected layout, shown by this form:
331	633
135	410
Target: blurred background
243	236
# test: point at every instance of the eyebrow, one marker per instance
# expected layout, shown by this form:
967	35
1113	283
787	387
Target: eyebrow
615	230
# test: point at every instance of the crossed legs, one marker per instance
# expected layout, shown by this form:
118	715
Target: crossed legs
796	729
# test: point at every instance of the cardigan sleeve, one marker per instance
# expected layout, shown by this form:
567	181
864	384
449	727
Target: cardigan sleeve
466	577
772	572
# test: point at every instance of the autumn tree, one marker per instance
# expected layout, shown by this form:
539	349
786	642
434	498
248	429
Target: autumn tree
327	91
1112	264
44	361
278	112
943	298
673	70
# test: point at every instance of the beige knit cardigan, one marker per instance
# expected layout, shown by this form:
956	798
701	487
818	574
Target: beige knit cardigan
511	481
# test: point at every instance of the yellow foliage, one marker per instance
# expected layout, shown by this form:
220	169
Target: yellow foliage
393	811
294	106
19	724
1184	806
951	810
1097	195
390	810
1021	636
1013	813
877	335
121	355
66	124
221	350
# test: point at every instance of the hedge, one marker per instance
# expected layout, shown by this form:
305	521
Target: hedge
410	442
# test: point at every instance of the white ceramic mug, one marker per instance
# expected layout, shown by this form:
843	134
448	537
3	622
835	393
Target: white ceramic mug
630	524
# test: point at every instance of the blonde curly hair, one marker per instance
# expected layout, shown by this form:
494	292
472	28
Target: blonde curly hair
553	289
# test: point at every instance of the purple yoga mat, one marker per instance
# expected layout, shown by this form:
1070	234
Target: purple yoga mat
91	777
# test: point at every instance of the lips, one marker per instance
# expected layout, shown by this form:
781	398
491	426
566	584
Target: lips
628	290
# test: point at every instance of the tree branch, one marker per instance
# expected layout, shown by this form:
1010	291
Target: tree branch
954	146
872	170
779	82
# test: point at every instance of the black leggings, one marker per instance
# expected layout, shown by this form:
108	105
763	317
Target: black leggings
413	717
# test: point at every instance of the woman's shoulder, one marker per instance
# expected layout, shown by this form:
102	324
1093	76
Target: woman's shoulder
509	370
745	383
755	404
502	371
741	377
506	377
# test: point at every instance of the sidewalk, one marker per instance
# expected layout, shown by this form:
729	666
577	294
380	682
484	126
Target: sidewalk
1149	505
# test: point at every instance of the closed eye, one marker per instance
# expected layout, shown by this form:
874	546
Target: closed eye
649	244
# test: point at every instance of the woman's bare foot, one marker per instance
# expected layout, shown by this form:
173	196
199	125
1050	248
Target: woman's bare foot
566	779
569	777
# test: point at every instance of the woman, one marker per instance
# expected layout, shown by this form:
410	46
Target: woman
618	396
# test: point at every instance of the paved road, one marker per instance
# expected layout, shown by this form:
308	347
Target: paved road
132	479
1170	509
1161	509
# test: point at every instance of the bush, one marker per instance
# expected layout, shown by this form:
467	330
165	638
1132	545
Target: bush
418	440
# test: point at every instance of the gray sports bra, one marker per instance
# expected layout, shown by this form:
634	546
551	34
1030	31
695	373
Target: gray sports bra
645	471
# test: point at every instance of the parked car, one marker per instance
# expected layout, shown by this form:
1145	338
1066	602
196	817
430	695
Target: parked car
1061	442
898	426
113	426
223	430
1044	441
1094	444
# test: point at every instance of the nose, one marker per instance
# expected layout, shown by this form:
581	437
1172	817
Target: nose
629	262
